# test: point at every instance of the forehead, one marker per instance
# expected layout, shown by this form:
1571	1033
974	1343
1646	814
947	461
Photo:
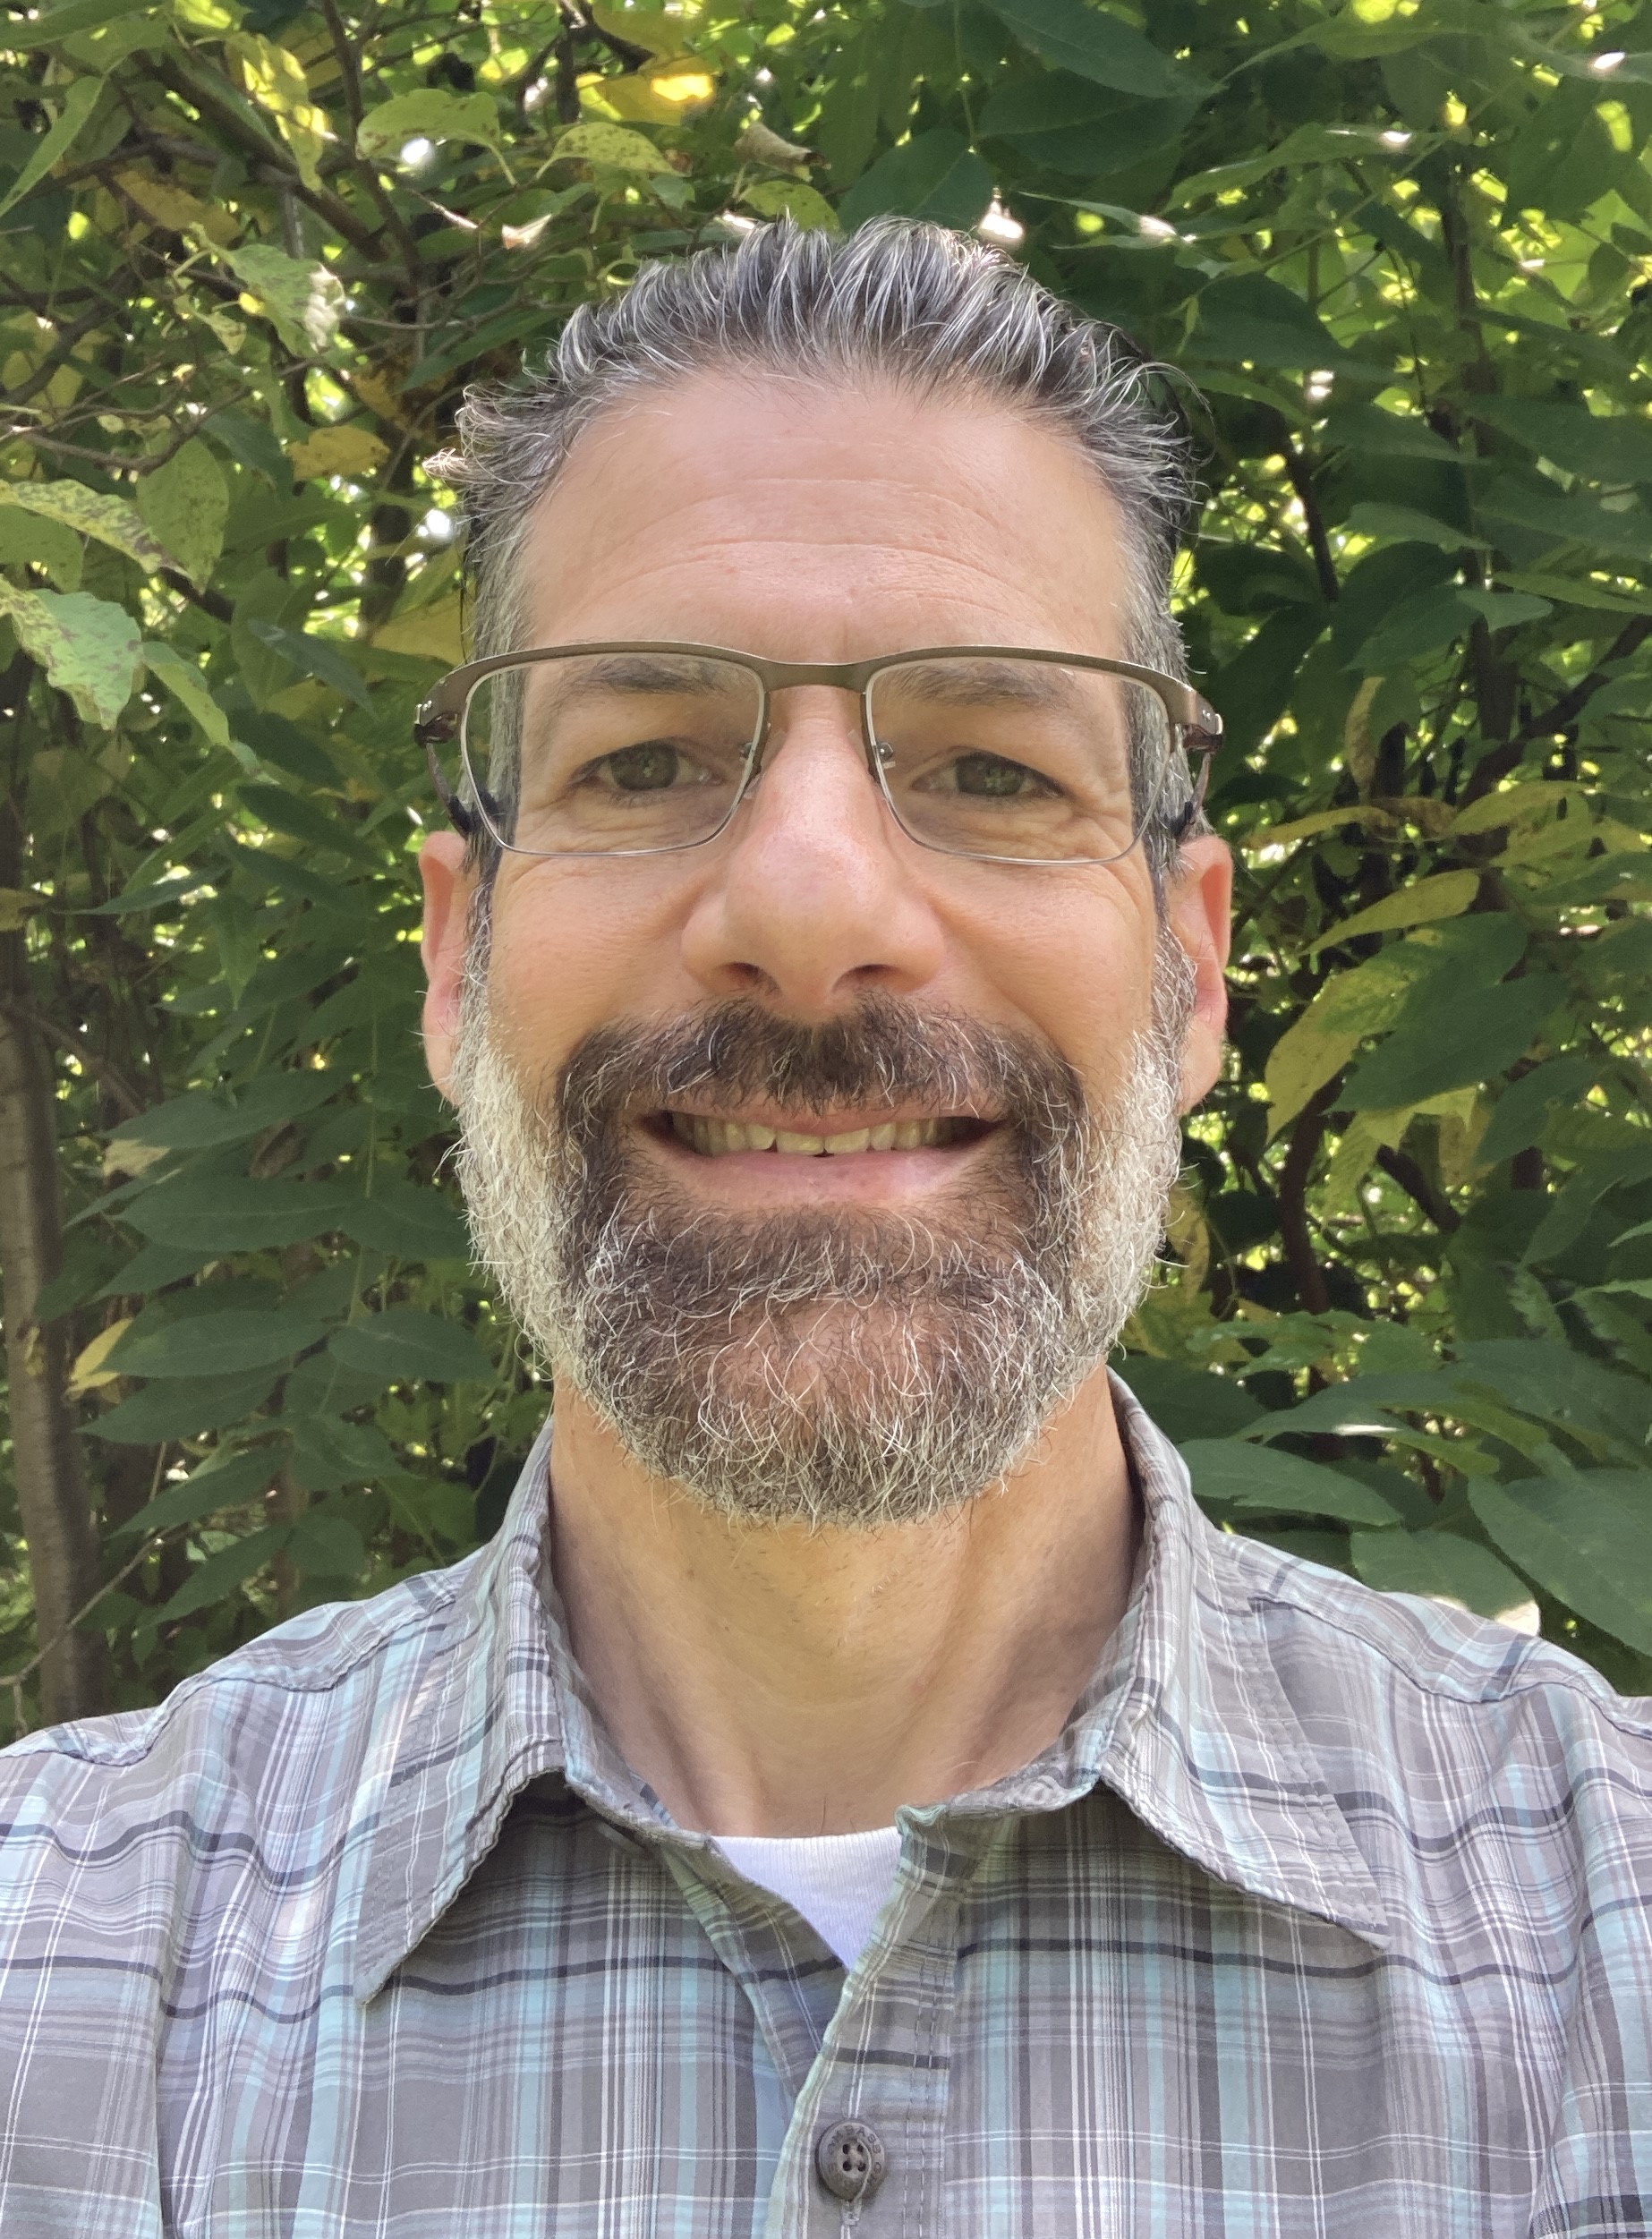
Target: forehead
810	523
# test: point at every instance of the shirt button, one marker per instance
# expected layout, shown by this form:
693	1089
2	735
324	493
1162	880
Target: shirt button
851	2160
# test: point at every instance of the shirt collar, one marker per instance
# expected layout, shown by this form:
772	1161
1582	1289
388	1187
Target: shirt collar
1185	1720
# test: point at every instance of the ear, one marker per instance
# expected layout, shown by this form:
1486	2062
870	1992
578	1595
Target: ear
449	888
1199	904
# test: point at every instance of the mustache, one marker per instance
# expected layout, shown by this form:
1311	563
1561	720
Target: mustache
884	1052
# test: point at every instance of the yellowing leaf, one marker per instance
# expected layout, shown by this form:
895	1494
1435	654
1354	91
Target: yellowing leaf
661	93
88	647
1445	895
165	204
91	513
611	147
1347	1008
795	198
433	631
1518	805
353	451
88	1372
276	79
375	391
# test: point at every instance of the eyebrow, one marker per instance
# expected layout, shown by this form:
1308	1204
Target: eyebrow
960	683
643	673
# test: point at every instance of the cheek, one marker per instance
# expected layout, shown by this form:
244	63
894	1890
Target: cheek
1068	953
575	946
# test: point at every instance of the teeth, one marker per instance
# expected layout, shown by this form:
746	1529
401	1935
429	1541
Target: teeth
715	1138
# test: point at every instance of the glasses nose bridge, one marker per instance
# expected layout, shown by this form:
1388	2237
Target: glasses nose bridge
783	678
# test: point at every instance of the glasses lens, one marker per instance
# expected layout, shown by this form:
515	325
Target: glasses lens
611	753
1020	758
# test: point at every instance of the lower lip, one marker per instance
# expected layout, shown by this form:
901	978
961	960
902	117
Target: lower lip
837	1177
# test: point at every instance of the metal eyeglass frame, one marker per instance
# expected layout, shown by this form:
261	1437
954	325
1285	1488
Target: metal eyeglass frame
1195	723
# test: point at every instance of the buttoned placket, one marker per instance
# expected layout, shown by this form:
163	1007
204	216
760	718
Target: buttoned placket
870	2049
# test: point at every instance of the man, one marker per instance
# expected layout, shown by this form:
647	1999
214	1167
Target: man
856	1789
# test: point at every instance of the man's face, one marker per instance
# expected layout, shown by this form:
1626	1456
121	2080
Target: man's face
874	1332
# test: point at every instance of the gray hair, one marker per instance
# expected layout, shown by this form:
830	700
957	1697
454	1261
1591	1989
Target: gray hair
939	313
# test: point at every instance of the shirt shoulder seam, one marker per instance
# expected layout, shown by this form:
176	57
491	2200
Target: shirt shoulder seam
1519	1678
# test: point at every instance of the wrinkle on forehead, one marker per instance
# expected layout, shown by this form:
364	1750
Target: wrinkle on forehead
789	518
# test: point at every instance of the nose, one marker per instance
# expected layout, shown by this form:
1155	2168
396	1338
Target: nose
815	898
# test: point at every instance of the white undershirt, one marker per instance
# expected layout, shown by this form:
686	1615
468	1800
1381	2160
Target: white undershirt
837	1882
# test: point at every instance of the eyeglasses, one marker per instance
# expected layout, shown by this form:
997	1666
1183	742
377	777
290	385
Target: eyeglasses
996	753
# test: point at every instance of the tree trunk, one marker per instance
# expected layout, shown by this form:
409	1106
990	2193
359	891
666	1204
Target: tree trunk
53	1503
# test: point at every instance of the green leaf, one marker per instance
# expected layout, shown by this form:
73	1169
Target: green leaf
182	1408
1584	1539
216	1345
408	1223
1188	1403
186	503
1260	1477
428	114
235	1215
91	513
1605	448
29	539
1253	319
304	301
197	1121
611	147
188	687
795	198
79	15
1521	1110
328	1452
313	655
328	1546
1486	1036
1441	1565
219	1576
79	102
1094	44
1371	517
402	1345
1077	126
221	1482
936	177
89	647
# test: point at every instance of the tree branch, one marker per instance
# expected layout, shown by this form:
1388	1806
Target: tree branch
1319	543
1300	1257
1404	1169
79	1048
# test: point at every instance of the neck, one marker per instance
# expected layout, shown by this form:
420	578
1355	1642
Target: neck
783	1680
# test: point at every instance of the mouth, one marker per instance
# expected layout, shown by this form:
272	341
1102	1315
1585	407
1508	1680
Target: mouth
712	1135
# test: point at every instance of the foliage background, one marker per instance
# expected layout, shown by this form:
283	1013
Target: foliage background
252	251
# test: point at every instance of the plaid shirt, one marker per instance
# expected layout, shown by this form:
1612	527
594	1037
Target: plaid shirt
1326	1914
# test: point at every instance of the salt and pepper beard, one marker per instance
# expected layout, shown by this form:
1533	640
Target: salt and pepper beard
851	1367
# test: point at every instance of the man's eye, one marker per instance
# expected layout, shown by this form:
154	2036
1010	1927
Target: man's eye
994	778
648	768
